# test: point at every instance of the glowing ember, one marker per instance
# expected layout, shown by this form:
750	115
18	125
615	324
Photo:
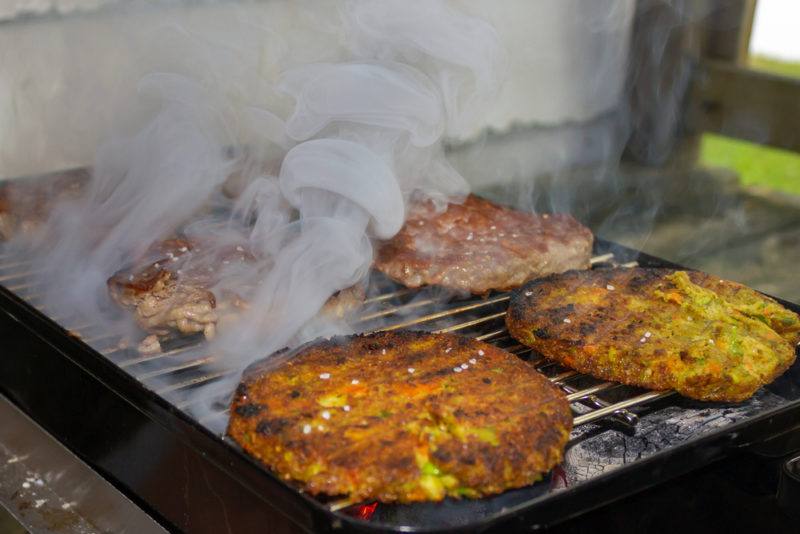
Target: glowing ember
364	511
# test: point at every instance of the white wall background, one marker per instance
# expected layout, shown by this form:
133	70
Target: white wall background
68	70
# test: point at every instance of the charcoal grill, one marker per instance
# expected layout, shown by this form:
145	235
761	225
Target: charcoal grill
130	417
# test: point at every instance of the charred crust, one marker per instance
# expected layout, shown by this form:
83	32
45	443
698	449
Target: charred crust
442	455
271	426
294	394
439	372
249	409
541	333
561	311
644	277
587	328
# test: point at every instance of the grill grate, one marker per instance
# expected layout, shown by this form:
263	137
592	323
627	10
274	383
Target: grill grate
392	308
175	371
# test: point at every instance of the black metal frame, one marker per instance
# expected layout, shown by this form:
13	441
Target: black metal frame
190	480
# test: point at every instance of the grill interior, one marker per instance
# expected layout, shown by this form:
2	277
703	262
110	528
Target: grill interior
175	371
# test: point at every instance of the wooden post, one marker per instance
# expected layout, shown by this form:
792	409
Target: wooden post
674	93
727	30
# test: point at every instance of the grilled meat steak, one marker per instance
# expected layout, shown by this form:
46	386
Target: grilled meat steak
707	338
479	246
401	417
167	291
25	205
170	288
343	302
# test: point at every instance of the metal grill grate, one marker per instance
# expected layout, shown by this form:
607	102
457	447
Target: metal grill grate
174	371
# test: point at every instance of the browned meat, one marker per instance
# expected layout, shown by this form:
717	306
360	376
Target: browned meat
170	288
343	302
170	291
26	204
479	246
402	416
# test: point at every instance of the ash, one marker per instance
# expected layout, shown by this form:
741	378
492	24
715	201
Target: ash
594	451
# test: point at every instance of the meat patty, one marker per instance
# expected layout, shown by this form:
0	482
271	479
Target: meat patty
401	417
479	246
25	205
170	288
706	338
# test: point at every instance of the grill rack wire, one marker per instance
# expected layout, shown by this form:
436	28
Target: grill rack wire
395	308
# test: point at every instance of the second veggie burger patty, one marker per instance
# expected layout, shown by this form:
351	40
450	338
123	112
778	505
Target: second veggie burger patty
707	338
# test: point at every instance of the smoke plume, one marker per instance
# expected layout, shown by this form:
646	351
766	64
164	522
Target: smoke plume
306	192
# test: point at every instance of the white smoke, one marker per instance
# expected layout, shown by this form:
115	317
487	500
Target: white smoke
315	187
369	134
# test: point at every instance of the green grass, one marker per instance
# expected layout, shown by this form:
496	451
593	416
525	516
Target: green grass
775	66
756	165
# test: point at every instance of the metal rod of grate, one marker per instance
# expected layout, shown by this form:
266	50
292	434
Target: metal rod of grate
470	317
594	407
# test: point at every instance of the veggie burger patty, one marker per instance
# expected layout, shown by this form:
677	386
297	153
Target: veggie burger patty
706	338
402	416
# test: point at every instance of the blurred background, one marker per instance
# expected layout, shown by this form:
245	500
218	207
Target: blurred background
668	125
